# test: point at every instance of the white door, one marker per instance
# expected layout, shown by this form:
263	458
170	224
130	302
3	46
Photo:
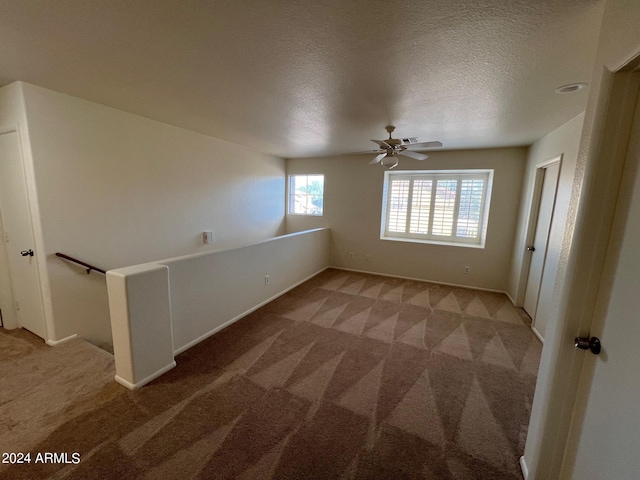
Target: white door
7	303
16	220
607	437
540	242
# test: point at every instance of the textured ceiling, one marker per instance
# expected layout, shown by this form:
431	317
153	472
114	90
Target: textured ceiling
311	78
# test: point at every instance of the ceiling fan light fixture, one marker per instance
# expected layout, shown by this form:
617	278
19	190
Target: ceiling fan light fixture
390	161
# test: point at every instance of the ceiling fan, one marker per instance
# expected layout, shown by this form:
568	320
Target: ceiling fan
391	148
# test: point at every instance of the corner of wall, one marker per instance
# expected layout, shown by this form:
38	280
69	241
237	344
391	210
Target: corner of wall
140	305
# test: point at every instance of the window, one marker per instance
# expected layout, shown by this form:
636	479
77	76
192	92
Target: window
306	194
437	206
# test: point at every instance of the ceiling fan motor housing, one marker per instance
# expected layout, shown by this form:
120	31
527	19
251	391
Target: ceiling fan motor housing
392	147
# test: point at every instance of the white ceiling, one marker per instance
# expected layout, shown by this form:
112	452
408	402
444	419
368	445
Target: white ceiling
317	77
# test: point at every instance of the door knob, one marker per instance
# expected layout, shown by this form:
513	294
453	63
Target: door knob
592	344
531	249
27	253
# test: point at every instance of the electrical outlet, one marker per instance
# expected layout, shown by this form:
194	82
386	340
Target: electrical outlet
266	279
350	254
467	270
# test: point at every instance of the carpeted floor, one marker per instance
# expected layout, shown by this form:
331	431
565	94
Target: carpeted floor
348	376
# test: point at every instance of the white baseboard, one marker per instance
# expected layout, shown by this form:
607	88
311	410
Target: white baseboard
422	280
523	467
144	381
537	334
55	343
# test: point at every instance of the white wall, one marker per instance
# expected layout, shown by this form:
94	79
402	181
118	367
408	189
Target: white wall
162	308
619	35
117	189
210	290
583	244
565	141
353	204
604	435
607	417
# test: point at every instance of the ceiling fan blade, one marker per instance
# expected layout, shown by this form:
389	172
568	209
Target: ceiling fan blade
378	158
416	155
382	144
425	145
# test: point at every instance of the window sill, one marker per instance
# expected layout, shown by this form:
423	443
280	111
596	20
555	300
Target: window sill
433	242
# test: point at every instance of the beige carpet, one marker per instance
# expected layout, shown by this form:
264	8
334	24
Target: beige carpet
42	387
349	376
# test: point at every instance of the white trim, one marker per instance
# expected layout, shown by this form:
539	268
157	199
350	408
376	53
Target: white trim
437	282
289	196
537	333
244	314
550	161
144	381
455	171
209	252
540	177
532	221
523	467
433	242
29	181
55	343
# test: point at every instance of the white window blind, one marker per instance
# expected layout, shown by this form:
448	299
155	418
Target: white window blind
399	204
421	199
437	206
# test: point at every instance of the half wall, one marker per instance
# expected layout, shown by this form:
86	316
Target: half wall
163	308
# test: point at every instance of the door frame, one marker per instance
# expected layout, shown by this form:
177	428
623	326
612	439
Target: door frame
532	223
603	317
14	128
9	319
603	148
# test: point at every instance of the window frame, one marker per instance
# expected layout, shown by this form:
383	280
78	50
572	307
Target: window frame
291	195
435	176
